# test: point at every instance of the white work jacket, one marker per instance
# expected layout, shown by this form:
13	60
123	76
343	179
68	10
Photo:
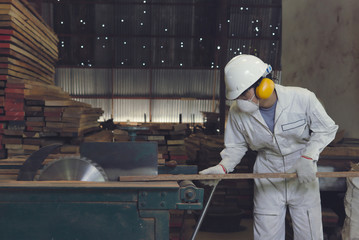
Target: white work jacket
301	127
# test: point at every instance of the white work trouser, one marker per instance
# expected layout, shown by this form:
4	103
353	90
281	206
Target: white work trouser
273	196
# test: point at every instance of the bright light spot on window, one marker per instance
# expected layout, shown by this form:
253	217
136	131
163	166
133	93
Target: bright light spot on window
122	63
82	64
61	22
166	29
241	8
228	20
273	44
244	46
141	24
98	38
144	11
81	20
122	20
106	38
181	64
273	34
143	46
162	61
103	25
144	1
144	64
257	29
103	46
200	39
124	43
90	65
82	46
161	46
218	47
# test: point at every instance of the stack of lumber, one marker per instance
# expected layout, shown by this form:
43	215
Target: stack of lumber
170	138
33	111
43	114
28	45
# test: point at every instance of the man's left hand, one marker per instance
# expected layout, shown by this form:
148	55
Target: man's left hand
305	170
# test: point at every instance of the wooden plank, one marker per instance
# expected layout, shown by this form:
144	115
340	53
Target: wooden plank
25	44
85	185
14	54
31	14
340	151
19	33
181	177
27	21
18	26
27	54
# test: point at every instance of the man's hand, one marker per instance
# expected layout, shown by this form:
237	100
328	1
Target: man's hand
218	169
304	168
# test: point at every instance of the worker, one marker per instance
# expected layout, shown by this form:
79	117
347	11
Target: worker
288	128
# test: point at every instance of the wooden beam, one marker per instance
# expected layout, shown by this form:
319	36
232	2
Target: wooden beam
181	177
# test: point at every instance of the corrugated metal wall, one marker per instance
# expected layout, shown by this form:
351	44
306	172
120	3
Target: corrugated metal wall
167	93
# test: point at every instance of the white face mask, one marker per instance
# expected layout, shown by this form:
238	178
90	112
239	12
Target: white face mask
247	106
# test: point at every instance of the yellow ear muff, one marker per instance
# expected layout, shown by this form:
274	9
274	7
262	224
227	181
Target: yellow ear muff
265	88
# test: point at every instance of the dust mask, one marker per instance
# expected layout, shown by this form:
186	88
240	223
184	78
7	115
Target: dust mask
247	106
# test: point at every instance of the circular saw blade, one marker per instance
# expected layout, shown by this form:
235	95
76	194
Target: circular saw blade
73	169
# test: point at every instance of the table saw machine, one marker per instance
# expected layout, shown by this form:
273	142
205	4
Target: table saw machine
77	198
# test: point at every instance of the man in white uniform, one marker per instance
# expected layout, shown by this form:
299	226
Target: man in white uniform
289	128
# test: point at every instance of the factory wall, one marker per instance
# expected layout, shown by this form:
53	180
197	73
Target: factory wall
138	95
320	51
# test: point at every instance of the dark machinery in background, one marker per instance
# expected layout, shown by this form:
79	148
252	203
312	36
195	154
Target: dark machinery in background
92	203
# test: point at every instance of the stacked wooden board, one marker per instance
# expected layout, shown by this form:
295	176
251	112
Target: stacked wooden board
28	46
33	111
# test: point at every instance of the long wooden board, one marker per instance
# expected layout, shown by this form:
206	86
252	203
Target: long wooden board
182	177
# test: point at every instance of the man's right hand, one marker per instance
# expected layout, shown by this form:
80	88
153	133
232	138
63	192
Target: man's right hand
218	169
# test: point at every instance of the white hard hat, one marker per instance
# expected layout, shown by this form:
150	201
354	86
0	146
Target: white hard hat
241	72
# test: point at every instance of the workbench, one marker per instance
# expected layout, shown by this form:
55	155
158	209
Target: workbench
91	210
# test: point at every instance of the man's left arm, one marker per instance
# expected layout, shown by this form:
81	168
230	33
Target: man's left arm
323	128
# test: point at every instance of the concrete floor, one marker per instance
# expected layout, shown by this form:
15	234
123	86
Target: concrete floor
245	234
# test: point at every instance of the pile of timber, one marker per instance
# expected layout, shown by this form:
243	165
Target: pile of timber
170	139
39	114
33	111
28	46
